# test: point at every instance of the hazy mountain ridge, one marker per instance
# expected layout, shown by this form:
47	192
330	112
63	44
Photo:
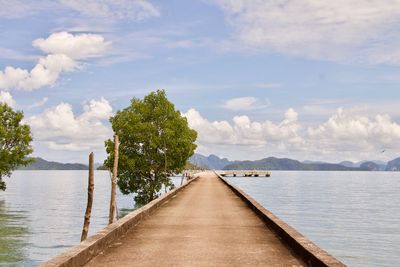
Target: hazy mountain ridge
393	165
372	166
42	164
270	163
273	163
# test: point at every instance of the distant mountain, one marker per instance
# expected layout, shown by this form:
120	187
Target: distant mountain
358	164
212	162
393	165
273	163
41	164
379	162
372	166
349	164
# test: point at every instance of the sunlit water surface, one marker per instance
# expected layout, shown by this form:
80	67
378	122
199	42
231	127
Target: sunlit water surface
41	213
355	216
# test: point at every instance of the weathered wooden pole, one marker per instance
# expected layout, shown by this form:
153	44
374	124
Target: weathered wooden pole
88	212
183	176
112	213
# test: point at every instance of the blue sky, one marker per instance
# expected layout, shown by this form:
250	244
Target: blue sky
299	79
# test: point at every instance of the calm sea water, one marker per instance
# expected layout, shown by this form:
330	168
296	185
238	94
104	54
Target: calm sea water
41	213
355	216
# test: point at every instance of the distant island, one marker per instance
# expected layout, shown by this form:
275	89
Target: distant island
273	163
41	164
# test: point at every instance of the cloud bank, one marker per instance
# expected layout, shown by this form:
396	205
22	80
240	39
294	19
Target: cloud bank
344	135
243	131
348	134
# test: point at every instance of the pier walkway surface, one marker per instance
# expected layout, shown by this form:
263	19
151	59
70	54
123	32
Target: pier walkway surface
206	224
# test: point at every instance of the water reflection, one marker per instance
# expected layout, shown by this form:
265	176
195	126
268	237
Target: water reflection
13	233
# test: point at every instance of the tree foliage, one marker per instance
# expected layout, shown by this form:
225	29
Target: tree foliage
15	139
155	141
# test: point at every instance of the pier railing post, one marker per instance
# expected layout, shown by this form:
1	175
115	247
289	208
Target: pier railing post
112	213
88	212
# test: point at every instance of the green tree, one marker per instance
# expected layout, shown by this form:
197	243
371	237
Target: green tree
15	141
155	141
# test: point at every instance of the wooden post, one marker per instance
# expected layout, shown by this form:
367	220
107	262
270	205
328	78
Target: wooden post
88	212
112	213
183	176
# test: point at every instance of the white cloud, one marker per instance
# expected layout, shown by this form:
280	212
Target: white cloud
245	103
61	129
243	131
111	9
6	97
80	46
44	73
63	50
352	131
97	110
290	115
342	30
240	103
346	135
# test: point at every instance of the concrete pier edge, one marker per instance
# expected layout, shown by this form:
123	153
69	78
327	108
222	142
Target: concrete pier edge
82	253
309	252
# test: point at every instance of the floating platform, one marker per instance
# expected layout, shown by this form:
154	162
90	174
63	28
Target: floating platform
245	173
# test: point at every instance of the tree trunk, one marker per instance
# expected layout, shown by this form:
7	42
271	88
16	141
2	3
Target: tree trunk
88	212
112	213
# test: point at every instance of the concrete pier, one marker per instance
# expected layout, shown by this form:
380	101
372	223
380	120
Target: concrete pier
207	222
204	225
